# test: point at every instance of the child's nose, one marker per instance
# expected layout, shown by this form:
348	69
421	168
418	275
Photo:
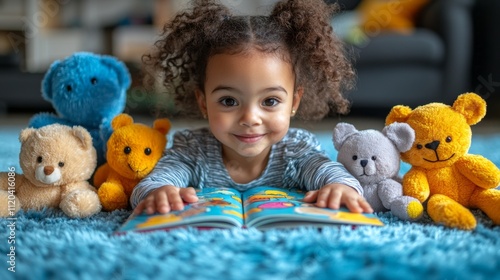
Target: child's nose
250	116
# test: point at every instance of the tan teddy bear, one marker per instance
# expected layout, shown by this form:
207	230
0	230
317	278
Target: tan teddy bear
443	173
57	161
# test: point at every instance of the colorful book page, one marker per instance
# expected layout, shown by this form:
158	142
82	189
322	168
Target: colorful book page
216	207
267	207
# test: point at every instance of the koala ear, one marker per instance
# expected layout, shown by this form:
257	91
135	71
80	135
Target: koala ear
162	125
401	134
121	120
398	113
47	80
341	132
120	69
471	106
25	134
83	136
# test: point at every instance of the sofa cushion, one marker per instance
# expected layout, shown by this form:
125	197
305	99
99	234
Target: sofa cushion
421	47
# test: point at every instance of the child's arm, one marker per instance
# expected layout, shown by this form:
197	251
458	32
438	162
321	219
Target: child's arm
182	165
334	195
165	199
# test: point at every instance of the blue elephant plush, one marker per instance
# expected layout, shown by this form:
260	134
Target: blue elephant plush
88	90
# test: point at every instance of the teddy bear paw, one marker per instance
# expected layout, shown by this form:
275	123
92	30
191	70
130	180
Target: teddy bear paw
112	197
10	204
444	210
81	204
415	210
407	208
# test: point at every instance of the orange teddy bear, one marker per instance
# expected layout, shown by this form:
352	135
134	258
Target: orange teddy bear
442	172
133	150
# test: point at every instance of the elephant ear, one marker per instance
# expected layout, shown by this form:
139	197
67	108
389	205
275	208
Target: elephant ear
47	80
341	132
120	69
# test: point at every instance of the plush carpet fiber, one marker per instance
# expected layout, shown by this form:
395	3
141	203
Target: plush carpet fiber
48	245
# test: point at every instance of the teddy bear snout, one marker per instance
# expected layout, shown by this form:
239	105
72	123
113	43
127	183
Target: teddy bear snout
47	170
47	174
432	145
367	169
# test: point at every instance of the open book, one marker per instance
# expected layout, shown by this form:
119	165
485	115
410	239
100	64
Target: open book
261	207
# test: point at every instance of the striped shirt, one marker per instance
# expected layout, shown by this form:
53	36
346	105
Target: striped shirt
195	159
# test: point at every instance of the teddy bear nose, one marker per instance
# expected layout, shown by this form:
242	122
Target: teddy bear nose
433	145
363	162
47	170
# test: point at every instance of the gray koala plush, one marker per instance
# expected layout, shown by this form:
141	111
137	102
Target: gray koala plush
373	157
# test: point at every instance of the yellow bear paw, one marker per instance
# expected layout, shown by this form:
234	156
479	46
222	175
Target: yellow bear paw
112	196
443	210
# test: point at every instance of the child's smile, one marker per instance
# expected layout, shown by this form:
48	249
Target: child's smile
249	138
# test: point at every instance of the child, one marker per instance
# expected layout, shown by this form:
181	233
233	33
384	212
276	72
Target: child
247	76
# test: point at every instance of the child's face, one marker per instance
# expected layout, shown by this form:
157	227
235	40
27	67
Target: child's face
248	99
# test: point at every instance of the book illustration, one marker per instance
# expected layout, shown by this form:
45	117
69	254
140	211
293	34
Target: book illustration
152	221
335	215
267	195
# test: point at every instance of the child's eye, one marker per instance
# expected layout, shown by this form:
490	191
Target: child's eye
270	102
228	101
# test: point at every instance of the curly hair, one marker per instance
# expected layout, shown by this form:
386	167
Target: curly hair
298	31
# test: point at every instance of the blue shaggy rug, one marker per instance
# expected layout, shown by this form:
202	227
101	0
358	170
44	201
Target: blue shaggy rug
48	245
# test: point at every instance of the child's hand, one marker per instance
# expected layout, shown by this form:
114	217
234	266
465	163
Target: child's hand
165	199
333	195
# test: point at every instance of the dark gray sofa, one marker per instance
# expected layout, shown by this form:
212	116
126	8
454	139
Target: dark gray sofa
432	64
20	91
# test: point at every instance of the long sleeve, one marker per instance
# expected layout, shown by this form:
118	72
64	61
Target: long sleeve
309	166
177	167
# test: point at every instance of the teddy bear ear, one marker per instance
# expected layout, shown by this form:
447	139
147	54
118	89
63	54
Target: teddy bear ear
471	106
341	132
47	80
26	133
162	125
401	134
120	69
121	120
83	136
398	113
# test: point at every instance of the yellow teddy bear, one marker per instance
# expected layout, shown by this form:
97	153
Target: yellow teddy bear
442	172
133	150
